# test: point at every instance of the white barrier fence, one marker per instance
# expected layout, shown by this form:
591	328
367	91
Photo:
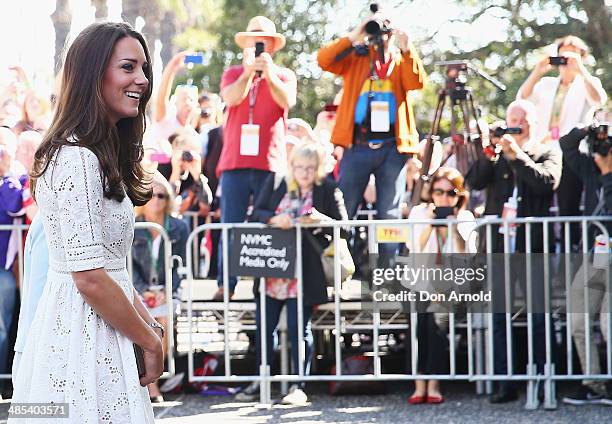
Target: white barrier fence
478	326
481	349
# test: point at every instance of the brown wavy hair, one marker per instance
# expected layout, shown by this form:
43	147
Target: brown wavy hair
81	113
453	176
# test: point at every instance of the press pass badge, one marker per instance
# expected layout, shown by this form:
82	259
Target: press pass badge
509	212
380	116
249	140
601	252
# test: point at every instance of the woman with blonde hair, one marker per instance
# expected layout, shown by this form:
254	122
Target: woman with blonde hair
307	197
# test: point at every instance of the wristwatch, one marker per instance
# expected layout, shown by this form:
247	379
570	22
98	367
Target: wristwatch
156	324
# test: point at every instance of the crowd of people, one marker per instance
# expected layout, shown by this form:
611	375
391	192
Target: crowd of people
78	166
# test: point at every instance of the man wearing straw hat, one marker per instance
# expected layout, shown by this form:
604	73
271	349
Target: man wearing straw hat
258	94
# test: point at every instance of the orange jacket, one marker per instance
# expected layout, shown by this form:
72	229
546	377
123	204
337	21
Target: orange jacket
408	74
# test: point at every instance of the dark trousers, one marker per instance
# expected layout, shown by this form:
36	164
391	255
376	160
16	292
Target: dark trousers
518	274
273	311
433	345
237	187
569	194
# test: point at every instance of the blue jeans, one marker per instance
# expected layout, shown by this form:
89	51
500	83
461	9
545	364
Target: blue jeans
273	310
8	291
389	169
237	186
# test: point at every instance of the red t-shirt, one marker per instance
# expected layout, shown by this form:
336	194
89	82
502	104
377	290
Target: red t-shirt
271	119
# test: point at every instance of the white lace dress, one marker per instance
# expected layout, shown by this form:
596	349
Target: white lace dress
72	355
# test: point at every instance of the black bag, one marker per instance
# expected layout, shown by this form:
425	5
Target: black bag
356	365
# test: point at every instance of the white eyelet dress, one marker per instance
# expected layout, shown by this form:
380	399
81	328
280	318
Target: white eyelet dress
72	355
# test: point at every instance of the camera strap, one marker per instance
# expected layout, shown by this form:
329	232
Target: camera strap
253	91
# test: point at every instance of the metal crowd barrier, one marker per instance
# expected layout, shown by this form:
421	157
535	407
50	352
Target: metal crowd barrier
171	368
478	325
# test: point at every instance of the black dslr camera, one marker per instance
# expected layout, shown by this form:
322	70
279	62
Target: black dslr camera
498	132
599	139
377	27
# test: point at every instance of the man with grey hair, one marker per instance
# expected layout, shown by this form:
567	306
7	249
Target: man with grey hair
519	174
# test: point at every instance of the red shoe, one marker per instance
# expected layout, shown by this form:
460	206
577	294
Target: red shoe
415	399
435	399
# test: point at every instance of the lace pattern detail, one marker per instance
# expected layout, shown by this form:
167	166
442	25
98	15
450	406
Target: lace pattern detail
73	355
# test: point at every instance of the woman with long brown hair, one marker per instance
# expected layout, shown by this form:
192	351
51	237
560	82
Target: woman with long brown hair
430	242
86	179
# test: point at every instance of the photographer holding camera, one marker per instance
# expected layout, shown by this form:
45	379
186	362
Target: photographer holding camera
563	102
449	200
259	94
519	174
375	130
595	171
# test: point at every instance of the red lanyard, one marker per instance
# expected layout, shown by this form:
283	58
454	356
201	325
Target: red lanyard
253	97
382	70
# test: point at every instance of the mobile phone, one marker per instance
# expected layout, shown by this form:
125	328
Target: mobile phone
259	48
443	212
196	59
557	60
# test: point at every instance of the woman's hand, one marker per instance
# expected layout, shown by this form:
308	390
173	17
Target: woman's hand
154	361
314	217
543	66
282	221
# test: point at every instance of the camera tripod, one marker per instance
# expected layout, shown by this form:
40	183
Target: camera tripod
461	106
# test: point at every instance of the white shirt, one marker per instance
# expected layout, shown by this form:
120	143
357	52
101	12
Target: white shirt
465	226
578	107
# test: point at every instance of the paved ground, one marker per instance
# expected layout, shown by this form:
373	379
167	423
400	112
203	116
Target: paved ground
461	407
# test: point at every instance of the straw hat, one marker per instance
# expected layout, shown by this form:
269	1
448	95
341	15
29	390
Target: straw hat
260	26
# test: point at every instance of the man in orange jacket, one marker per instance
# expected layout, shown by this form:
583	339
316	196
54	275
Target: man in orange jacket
375	131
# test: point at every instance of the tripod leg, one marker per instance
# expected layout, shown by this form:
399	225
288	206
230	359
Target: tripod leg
435	125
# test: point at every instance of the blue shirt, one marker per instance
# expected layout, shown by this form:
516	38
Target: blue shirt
36	264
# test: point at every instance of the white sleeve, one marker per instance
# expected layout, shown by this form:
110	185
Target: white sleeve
414	230
78	186
596	82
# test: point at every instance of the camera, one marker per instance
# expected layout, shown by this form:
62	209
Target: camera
599	139
498	132
557	60
187	156
377	27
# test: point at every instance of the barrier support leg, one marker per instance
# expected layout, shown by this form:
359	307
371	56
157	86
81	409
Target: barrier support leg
265	397
532	402
550	389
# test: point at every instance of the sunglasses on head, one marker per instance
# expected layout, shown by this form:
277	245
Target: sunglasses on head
449	193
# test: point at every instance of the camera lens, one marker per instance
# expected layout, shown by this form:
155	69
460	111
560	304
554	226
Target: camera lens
373	27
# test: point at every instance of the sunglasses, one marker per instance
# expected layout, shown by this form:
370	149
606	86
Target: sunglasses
161	196
449	193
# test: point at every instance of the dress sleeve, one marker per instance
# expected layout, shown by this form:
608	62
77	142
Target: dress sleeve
78	186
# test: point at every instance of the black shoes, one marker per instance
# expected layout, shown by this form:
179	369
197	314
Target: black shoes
585	396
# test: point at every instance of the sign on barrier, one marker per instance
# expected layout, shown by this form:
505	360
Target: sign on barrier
391	234
263	252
